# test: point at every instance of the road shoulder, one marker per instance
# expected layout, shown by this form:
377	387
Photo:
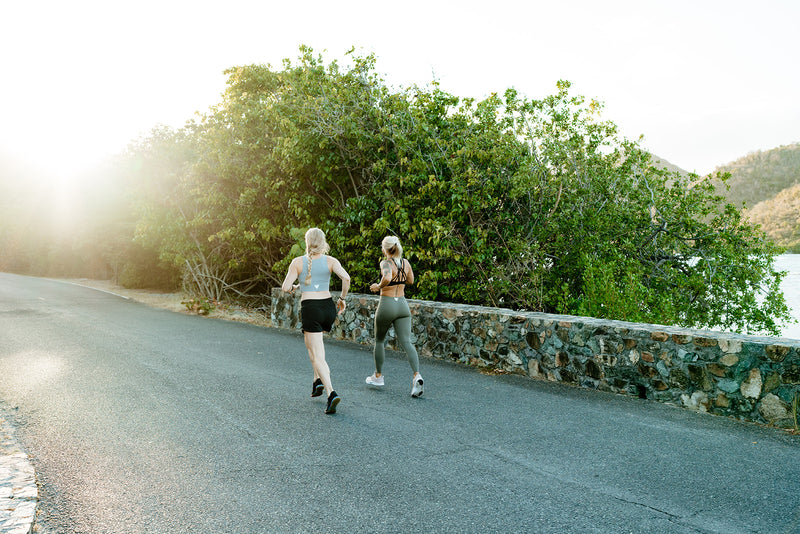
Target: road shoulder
173	301
18	491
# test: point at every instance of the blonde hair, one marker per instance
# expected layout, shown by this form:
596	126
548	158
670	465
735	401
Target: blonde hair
315	244
391	244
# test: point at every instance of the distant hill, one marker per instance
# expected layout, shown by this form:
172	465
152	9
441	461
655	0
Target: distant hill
664	164
768	185
761	175
779	217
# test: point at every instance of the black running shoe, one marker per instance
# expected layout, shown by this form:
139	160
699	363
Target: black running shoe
333	400
317	388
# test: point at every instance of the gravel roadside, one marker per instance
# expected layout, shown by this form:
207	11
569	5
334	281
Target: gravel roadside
174	301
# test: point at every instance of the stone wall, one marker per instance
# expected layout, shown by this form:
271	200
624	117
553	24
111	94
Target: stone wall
746	377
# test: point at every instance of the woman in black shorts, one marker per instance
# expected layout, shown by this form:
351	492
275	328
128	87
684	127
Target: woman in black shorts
317	309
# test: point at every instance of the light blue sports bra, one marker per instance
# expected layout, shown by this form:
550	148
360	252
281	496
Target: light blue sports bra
320	275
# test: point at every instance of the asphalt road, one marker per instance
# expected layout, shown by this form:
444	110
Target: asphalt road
143	420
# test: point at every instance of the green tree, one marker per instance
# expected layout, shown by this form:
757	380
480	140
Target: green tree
540	205
533	204
155	171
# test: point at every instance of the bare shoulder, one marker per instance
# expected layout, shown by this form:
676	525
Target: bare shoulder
409	273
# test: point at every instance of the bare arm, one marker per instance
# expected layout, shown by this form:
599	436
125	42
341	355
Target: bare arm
338	270
386	276
291	275
410	274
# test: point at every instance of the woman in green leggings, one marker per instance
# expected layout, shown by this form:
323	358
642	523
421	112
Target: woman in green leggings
393	311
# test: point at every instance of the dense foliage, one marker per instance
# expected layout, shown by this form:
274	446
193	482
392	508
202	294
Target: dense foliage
529	204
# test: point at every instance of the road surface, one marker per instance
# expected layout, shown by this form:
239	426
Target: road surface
141	420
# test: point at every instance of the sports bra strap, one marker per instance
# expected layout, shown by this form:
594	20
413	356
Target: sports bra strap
400	277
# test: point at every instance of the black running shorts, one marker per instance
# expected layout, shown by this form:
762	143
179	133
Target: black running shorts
317	315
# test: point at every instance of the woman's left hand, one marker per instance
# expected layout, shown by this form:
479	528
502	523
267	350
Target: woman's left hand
340	306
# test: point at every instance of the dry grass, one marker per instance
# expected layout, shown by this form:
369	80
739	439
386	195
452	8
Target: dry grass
173	302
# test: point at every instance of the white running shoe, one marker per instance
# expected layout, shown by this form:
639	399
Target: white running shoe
373	380
416	386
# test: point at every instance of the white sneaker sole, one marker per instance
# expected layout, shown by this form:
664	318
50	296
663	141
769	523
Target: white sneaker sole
416	390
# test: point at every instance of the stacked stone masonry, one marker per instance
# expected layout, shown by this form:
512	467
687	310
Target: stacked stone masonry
18	491
746	377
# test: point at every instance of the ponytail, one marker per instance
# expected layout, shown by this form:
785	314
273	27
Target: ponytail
307	281
391	244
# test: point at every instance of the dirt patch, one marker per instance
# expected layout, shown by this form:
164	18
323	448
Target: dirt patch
174	302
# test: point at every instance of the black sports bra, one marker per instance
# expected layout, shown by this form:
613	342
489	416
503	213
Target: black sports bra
400	277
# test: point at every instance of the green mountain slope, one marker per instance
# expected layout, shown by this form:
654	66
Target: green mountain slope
779	217
761	175
768	185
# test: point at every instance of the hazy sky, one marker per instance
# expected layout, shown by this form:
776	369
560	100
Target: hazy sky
705	81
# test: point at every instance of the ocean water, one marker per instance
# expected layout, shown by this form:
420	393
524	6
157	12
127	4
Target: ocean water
791	290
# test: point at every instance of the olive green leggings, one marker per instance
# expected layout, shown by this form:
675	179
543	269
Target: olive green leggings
394	311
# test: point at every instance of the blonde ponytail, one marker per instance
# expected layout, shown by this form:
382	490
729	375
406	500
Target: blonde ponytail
391	244
307	281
